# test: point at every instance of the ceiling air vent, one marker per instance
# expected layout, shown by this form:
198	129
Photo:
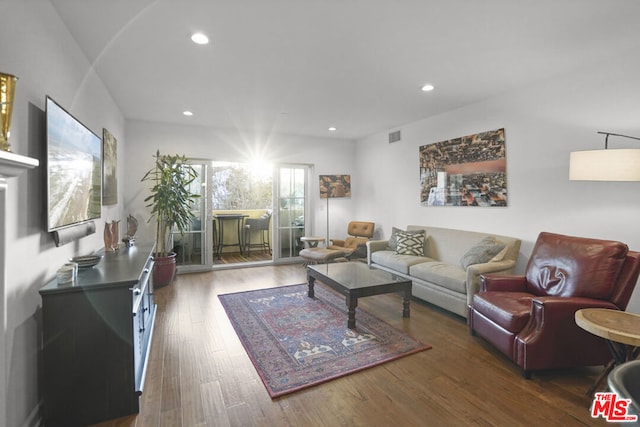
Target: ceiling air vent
394	136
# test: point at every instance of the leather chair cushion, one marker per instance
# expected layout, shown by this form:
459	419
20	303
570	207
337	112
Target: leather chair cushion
322	255
510	310
348	243
574	267
361	229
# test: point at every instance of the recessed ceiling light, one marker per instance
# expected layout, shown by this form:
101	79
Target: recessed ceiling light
333	129
428	87
187	113
199	38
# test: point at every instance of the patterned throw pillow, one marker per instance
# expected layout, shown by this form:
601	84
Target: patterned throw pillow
410	243
393	239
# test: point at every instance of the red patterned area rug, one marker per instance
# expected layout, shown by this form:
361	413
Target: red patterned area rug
297	342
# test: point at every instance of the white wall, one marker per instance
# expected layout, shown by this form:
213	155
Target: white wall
328	156
38	48
543	123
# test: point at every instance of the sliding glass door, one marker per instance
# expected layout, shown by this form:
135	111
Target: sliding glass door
246	214
292	210
241	197
192	247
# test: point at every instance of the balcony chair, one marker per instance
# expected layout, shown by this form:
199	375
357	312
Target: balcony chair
530	318
351	247
262	225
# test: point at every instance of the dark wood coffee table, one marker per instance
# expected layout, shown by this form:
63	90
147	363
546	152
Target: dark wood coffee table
356	279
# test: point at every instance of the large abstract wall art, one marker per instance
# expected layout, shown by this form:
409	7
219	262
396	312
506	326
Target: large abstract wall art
466	171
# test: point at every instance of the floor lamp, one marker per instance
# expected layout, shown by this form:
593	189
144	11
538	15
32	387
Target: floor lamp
334	186
607	164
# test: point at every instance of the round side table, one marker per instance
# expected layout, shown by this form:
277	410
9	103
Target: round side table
619	328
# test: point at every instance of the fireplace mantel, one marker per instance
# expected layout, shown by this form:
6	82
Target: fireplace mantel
12	165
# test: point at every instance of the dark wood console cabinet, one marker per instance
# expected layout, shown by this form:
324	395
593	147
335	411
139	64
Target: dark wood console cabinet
96	337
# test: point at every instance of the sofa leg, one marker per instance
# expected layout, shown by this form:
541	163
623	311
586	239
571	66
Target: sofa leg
472	332
526	374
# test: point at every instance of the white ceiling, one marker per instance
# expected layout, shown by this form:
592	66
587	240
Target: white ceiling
300	66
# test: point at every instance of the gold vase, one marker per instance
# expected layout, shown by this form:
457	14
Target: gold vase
7	92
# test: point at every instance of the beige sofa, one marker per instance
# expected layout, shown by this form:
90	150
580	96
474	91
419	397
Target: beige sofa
448	271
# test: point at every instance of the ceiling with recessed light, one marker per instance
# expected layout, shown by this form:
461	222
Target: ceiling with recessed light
302	66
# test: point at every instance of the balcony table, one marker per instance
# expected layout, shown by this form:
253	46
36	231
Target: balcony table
221	219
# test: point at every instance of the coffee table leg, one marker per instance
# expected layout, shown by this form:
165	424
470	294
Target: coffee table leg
352	303
406	310
311	293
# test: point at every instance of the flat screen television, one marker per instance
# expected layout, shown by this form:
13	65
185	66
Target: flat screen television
74	169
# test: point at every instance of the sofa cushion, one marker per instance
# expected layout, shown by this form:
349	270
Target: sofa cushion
394	261
448	276
410	243
393	239
510	310
482	252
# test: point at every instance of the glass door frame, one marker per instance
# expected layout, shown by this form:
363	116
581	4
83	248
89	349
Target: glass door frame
308	214
205	233
206	219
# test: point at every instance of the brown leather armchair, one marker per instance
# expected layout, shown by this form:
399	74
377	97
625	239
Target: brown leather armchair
359	233
530	318
351	247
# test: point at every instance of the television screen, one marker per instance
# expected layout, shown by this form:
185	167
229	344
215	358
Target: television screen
74	169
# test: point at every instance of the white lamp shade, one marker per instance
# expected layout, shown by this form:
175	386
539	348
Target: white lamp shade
605	165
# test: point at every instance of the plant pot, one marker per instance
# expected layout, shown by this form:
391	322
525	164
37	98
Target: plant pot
164	269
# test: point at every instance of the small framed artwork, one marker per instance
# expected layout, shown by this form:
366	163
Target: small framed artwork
109	168
332	186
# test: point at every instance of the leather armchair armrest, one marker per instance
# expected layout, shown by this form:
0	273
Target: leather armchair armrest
552	330
571	303
503	282
552	308
476	271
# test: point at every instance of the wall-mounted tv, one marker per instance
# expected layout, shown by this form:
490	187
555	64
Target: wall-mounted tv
74	169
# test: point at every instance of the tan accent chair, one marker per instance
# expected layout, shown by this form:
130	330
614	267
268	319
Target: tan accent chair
351	247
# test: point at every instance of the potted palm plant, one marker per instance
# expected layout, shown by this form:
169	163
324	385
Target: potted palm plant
170	202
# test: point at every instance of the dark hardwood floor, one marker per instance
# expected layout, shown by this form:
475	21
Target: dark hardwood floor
200	375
